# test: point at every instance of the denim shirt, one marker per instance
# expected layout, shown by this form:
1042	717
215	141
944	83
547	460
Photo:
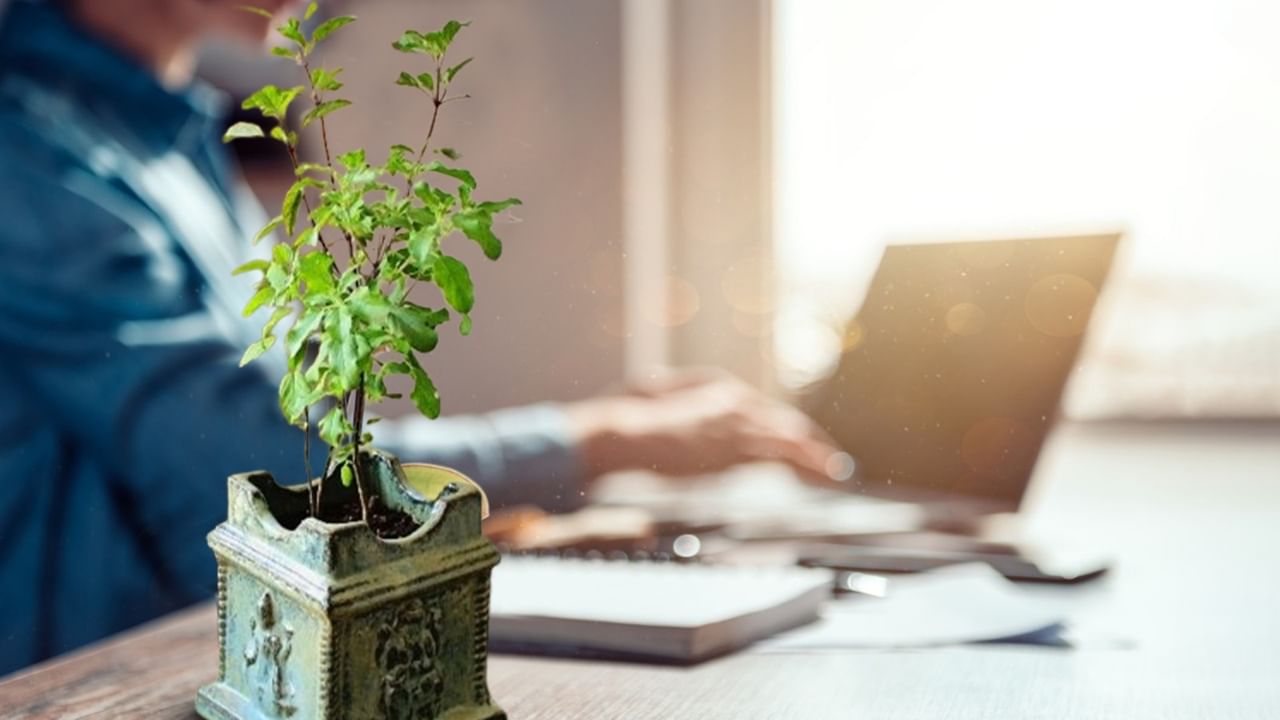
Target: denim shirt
122	405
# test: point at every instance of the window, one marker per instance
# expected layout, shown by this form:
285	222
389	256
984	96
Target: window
901	118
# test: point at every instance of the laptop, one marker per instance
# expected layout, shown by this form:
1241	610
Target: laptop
954	368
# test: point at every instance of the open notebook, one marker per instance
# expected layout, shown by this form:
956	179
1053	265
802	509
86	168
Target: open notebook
663	611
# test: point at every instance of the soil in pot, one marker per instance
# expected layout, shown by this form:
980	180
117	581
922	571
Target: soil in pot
386	522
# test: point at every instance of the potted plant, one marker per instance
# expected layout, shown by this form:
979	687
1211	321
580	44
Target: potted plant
362	593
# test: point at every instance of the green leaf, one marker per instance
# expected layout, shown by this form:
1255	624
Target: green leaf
329	26
353	160
370	306
397	164
348	476
322	110
288	137
278	278
304	168
258	11
287	96
334	426
421	336
259	265
280	314
282	254
411	41
449	153
311	10
448	74
292	29
268	229
297	393
284	52
424	394
326	80
345	352
462	176
293	198
437	43
289	397
257	349
316	270
478	225
296	339
262	99
451	28
454	281
434	318
495	207
423	244
399	290
272	101
464	325
260	298
242	130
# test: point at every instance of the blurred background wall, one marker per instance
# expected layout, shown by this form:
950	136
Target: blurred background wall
543	125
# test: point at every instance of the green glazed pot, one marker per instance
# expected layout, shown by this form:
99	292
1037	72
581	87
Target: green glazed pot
331	622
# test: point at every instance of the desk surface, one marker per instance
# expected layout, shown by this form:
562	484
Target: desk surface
1185	627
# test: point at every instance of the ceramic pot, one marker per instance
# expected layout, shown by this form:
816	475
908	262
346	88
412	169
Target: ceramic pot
331	622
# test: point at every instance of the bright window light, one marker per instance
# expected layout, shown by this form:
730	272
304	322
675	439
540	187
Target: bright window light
927	118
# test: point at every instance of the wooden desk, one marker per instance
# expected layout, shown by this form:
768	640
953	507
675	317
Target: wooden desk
1187	626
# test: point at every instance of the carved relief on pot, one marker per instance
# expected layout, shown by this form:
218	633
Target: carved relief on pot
409	660
267	656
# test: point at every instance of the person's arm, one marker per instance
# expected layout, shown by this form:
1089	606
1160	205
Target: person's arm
520	456
697	421
688	422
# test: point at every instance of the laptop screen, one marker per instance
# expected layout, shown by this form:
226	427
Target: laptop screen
955	364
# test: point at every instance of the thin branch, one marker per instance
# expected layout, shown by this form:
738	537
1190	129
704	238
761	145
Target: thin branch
306	460
437	101
358	421
328	467
315	102
293	158
324	138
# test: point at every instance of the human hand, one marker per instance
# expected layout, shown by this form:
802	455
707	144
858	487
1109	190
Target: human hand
694	422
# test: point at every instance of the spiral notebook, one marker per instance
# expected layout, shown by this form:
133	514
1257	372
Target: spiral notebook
660	611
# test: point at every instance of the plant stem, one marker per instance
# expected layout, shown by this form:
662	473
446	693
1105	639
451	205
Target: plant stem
306	461
437	100
293	157
328	465
324	138
315	102
358	422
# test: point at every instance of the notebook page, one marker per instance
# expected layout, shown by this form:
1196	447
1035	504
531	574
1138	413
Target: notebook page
645	594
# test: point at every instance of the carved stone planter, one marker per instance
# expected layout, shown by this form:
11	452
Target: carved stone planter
330	622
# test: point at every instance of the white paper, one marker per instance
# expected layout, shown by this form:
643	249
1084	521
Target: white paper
947	606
